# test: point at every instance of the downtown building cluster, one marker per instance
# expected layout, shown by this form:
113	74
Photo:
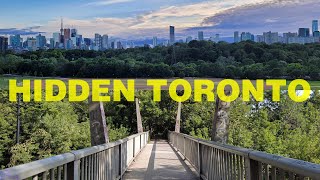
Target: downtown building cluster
303	36
69	38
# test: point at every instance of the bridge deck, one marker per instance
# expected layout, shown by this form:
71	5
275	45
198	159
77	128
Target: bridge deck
159	161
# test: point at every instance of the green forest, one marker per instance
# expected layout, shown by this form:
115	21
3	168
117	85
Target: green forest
244	60
285	128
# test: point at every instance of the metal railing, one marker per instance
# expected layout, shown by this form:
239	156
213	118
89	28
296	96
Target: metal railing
107	161
214	161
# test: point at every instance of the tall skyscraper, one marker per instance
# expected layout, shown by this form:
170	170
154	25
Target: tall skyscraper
56	37
315	25
98	41
155	41
87	41
74	33
79	40
41	41
15	41
105	41
66	36
236	37
200	36
32	44
172	35
3	44
52	43
304	32
61	32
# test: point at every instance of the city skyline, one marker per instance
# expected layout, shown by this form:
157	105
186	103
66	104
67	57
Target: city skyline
132	19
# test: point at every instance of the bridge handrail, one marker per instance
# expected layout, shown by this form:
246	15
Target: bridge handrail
80	163
213	160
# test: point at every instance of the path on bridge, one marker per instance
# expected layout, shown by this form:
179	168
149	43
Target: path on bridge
159	161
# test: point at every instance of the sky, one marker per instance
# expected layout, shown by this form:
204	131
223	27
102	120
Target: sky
138	19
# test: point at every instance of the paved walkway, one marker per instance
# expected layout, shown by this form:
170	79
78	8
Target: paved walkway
159	161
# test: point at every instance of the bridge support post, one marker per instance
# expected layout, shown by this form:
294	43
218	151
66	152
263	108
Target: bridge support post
139	119
73	170
98	124
252	169
178	119
220	124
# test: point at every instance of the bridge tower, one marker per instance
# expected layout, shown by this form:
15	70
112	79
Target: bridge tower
139	119
178	119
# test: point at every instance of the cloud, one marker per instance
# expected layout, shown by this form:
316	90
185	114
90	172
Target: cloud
107	2
279	15
24	31
222	17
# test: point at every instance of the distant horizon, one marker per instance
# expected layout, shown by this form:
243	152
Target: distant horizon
136	20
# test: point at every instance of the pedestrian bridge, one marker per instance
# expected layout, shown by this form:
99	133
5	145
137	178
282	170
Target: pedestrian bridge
180	157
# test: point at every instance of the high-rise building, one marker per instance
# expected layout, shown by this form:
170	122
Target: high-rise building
304	32
315	25
15	41
32	44
119	45
316	34
189	39
41	41
56	37
155	41
112	45
270	37
61	33
246	36
288	35
98	41
260	38
74	33
87	41
303	40
52	43
79	40
3	44
105	41
74	42
66	36
172	35
69	44
200	36
236	37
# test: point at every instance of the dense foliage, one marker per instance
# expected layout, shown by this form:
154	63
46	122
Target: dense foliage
195	59
285	128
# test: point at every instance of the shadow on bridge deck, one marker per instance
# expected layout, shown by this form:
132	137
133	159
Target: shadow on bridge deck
157	161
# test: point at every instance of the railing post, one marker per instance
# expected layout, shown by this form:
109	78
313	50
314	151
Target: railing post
73	170
140	141
177	136
120	161
184	148
134	147
252	169
199	159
